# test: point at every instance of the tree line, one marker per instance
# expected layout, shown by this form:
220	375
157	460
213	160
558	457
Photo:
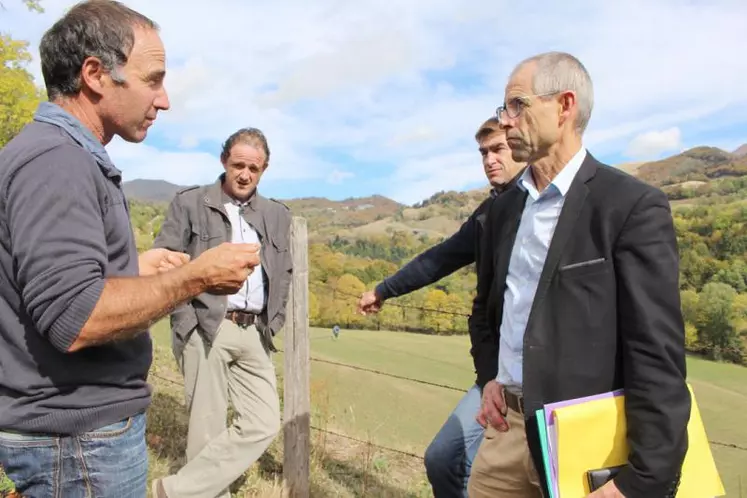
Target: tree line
713	279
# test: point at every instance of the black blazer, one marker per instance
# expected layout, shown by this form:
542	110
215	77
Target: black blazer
606	315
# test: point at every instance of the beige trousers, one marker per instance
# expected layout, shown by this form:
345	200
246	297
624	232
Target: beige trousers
503	466
238	368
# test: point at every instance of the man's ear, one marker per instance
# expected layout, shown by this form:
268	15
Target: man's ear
93	75
567	106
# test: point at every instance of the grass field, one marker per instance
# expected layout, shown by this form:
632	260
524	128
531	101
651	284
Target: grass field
405	415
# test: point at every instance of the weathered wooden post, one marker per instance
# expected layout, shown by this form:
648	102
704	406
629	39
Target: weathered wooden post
297	398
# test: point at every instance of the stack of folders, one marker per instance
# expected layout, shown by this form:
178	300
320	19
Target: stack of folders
584	445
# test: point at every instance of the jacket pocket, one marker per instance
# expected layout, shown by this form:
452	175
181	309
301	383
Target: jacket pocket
202	239
583	268
282	257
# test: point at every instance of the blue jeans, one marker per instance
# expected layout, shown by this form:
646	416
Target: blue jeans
448	459
106	463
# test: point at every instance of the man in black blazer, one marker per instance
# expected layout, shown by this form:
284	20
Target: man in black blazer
580	293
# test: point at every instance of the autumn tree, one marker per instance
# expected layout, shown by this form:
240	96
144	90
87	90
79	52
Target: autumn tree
390	317
32	5
715	325
19	96
314	307
436	302
348	289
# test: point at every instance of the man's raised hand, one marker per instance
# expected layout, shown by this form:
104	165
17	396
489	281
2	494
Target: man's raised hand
225	268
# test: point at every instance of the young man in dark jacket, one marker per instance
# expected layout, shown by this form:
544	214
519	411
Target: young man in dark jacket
448	458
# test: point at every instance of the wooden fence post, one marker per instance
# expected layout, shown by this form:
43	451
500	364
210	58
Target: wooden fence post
297	398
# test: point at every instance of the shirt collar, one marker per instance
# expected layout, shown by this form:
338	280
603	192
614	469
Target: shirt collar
51	113
562	181
227	199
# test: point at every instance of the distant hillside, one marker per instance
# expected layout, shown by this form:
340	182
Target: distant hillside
742	151
630	168
701	172
436	217
150	190
697	164
327	217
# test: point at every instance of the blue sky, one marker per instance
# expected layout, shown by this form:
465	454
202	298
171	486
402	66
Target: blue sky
360	98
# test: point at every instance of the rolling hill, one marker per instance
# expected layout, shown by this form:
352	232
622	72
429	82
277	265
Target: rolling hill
697	164
150	190
741	151
442	214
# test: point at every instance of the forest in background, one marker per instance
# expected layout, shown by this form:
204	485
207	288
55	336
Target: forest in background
347	257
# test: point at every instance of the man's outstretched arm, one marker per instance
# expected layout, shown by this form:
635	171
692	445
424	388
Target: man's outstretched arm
430	266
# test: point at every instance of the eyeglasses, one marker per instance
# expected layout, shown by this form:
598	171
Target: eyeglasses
513	107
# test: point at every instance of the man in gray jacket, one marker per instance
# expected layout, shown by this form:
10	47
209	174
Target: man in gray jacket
76	299
223	344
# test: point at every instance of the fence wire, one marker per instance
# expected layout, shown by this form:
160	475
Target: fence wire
349	296
390	302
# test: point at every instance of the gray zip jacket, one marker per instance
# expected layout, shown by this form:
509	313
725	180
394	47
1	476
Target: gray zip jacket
197	221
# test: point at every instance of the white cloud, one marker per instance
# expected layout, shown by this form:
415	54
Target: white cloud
416	180
189	142
654	143
146	161
394	86
337	177
183	168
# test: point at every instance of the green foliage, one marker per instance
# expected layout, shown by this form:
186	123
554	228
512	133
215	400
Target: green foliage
32	5
6	485
19	97
717	311
721	188
146	219
712	244
691	337
437	300
395	248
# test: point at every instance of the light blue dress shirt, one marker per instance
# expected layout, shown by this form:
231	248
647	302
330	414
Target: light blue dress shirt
537	226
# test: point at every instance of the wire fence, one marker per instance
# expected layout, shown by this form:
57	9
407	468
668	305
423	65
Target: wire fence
314	359
423	309
352	298
314	427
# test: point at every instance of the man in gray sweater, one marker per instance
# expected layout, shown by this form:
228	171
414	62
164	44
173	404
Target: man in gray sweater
75	299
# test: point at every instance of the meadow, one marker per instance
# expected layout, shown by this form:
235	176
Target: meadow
400	414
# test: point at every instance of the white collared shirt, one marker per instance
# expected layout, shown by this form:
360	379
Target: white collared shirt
536	229
251	297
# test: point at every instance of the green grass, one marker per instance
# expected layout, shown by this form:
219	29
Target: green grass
406	415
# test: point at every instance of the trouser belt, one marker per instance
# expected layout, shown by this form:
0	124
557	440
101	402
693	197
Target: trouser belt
513	401
241	318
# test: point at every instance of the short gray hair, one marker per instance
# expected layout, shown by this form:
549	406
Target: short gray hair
560	71
92	28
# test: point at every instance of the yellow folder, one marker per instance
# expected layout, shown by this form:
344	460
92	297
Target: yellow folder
591	435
